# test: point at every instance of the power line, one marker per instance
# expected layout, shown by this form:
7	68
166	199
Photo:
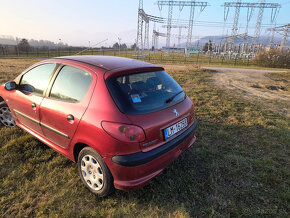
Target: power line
180	4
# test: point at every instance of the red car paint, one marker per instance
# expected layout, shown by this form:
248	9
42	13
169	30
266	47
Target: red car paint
98	106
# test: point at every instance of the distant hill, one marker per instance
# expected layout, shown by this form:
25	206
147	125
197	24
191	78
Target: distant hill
10	40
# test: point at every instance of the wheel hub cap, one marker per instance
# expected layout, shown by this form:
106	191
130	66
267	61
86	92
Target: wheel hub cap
92	172
6	117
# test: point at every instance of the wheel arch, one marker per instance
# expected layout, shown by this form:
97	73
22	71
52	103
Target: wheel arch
77	149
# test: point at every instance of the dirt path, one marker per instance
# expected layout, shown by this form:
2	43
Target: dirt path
254	83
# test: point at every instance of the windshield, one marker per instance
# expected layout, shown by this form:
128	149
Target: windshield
147	92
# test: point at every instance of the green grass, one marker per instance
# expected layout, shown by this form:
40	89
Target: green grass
239	166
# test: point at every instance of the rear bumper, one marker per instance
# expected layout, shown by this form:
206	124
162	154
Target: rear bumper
140	158
136	170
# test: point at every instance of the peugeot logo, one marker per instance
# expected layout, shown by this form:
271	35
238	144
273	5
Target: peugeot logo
175	111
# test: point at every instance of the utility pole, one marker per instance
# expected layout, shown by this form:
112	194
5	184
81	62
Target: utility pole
171	4
271	41
142	17
235	24
179	36
146	38
284	30
119	45
261	5
17	48
139	41
249	16
154	37
59	46
190	26
170	8
285	35
259	21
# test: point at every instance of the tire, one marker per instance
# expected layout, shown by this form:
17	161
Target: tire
94	172
6	118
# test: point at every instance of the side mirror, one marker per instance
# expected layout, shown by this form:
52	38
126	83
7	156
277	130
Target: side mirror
10	86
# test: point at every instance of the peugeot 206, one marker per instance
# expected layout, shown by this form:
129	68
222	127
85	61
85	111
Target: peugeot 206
121	120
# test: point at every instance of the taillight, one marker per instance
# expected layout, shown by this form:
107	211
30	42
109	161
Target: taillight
124	132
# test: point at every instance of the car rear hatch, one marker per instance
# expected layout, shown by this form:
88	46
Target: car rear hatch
154	101
164	125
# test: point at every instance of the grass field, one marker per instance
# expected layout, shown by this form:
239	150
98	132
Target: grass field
239	165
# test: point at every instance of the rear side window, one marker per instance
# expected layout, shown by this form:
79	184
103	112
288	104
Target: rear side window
36	80
147	92
71	84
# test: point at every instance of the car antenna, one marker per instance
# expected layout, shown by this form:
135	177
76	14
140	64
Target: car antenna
91	47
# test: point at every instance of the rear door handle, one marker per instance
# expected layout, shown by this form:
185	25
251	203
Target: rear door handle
70	117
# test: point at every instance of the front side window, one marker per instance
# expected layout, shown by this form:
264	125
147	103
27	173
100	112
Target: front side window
147	92
71	84
36	80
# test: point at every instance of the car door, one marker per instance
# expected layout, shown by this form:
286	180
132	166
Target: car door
66	103
25	101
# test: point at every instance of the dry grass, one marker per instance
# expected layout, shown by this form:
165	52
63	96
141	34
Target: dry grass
238	167
281	77
273	58
10	68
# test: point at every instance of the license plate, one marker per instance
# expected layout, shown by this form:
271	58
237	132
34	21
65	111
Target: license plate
177	127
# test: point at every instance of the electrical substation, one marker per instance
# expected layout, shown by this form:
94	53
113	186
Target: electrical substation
182	36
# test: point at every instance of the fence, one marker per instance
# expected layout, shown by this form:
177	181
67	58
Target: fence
150	56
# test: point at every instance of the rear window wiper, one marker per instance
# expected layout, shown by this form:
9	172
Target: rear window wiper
172	97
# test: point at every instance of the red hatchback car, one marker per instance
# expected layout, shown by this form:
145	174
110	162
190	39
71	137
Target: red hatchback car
122	120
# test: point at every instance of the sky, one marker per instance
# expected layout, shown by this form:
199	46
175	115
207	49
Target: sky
85	22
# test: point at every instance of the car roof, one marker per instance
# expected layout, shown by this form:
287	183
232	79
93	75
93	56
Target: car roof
108	63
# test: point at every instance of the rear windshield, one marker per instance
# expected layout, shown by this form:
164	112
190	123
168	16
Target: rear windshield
147	92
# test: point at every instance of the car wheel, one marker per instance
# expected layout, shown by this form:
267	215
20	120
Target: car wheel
94	172
6	117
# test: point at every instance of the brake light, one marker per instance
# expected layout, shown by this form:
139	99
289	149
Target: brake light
124	132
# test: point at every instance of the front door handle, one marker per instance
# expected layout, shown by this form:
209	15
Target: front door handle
70	118
33	105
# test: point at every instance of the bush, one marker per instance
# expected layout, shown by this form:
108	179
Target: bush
273	58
